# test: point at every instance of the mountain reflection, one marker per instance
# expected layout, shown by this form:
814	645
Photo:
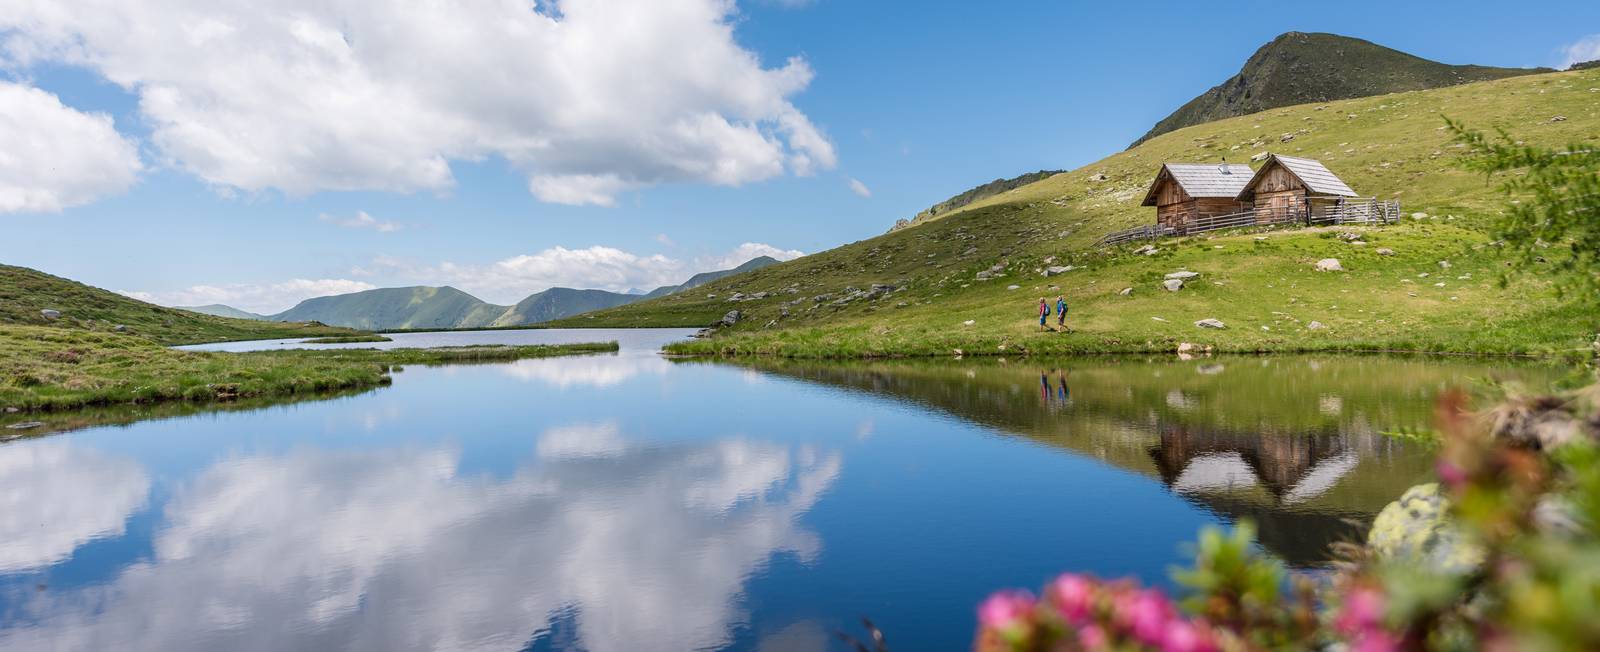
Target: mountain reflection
620	546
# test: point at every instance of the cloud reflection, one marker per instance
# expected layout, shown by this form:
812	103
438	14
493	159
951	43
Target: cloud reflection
645	547
55	497
586	371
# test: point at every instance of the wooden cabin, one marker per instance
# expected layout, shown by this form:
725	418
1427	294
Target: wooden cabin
1182	192
1292	187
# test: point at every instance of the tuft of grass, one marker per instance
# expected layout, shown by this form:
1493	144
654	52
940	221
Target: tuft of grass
47	369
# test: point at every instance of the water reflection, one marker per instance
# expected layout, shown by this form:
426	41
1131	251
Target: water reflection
54	497
630	546
586	371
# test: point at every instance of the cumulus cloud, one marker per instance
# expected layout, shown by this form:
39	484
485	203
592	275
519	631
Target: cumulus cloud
597	267
264	299
860	188
55	497
630	548
588	98
56	157
361	220
1585	49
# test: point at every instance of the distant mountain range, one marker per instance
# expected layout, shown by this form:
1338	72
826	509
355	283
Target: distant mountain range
1298	68
448	307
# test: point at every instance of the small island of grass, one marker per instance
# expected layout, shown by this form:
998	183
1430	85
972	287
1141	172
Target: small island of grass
348	339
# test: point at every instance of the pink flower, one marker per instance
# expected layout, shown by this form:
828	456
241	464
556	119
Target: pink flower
1376	641
1148	615
1074	597
1362	611
1184	636
1453	476
1005	610
1093	638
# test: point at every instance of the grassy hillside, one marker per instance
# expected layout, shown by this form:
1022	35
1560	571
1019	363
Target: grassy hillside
24	293
408	307
981	192
1296	68
219	310
559	302
706	277
1266	291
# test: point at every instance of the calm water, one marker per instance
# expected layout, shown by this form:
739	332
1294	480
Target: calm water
631	502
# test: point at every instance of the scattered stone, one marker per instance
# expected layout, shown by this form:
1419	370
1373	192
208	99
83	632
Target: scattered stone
1049	259
119	328
1329	265
731	318
983	276
1357	243
1126	291
1259	157
1172	284
958	352
49	314
1285	138
737	296
1385	251
1559	118
1183	275
1316	325
1349	236
25	425
1419	216
1211	323
1158	319
1145	250
968	322
1013	287
1444	264
1059	269
1103	177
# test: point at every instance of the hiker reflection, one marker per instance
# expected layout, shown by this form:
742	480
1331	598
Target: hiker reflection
1057	396
1044	388
1064	395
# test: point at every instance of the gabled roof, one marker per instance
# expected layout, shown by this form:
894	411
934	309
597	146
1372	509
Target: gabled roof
1316	177
1201	179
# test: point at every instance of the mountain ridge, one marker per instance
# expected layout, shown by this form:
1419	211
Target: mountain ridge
1302	67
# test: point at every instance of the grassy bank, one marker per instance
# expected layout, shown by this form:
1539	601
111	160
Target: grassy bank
44	369
1266	292
348	339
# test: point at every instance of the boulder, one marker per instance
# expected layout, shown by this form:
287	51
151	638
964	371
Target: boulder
1058	269
1316	325
968	322
1211	323
1285	138
49	314
1128	291
1013	287
1444	264
1416	530
1183	275
120	328
25	425
730	319
1172	284
1145	250
983	275
1385	251
1259	157
1329	265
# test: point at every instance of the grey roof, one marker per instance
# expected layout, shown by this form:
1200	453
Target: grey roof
1202	179
1318	179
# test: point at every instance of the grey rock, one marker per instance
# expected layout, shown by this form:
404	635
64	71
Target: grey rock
1417	530
120	328
1126	291
731	318
1316	325
1172	284
1183	275
49	314
1211	323
1058	269
1013	287
25	425
1329	265
983	276
1384	251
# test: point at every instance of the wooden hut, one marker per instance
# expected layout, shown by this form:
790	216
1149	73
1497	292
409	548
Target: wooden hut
1288	187
1182	192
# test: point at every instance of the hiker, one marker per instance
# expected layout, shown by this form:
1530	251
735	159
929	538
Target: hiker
1061	312
1044	314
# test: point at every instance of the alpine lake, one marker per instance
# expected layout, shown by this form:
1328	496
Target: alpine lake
632	501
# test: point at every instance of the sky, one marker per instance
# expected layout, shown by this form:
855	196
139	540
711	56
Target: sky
256	154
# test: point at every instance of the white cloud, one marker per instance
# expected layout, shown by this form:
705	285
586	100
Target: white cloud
1585	49
743	253
264	299
663	239
361	221
55	157
588	98
584	440
650	548
55	497
860	188
596	267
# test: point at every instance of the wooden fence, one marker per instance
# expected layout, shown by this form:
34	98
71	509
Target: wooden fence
1361	211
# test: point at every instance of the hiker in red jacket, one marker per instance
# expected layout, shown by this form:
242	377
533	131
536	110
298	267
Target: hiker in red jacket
1044	314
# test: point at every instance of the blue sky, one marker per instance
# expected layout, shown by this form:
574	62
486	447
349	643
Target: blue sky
260	159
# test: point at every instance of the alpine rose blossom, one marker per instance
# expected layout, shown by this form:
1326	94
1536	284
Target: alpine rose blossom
1005	610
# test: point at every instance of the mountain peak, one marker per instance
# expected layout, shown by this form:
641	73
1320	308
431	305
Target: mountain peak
1303	67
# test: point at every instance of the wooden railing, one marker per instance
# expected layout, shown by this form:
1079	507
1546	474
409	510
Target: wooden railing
1360	211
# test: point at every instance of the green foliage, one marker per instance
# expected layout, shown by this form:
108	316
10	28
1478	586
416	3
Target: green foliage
1553	221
